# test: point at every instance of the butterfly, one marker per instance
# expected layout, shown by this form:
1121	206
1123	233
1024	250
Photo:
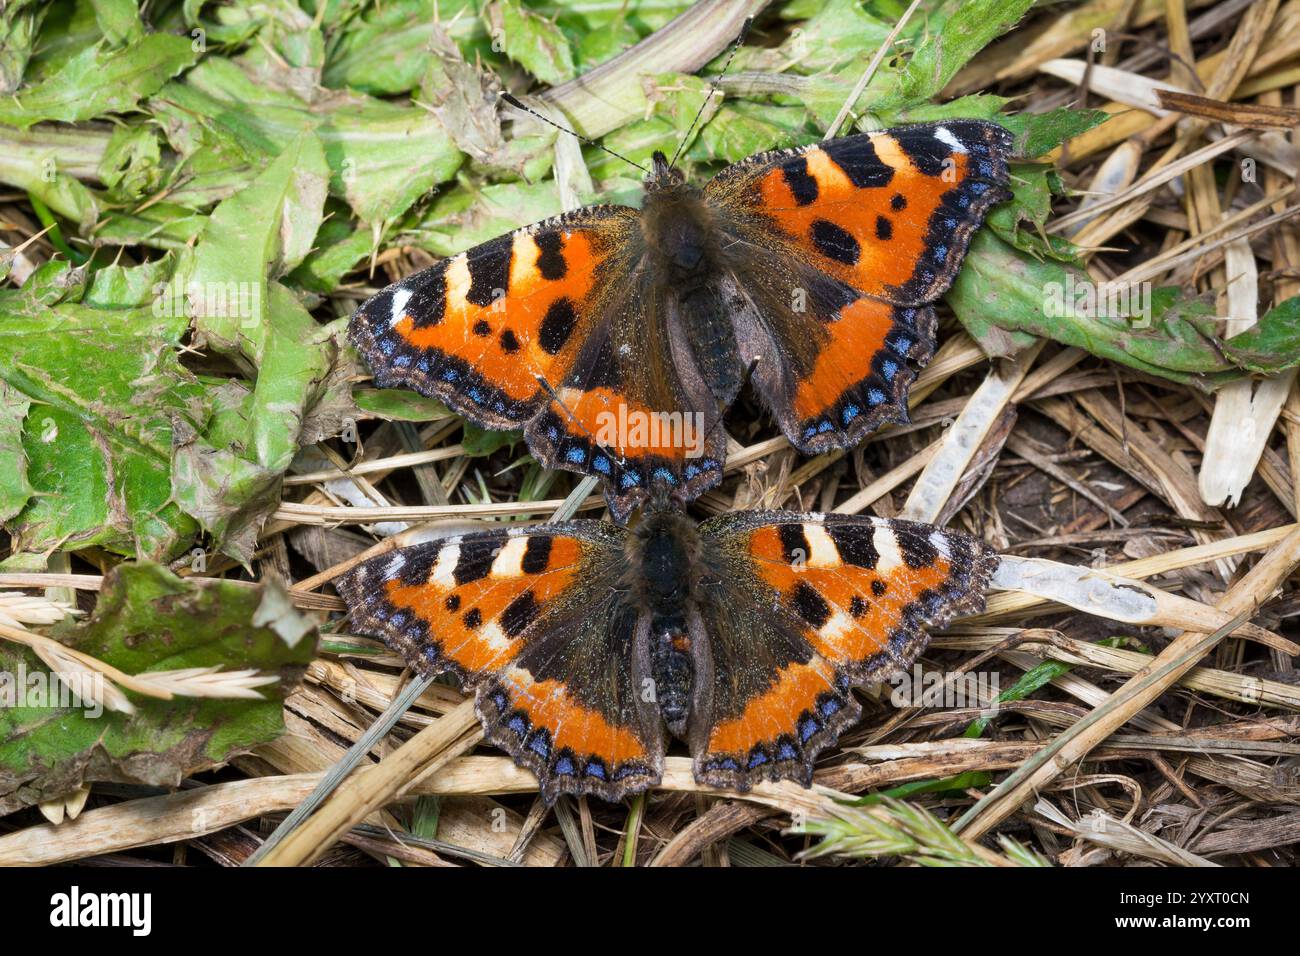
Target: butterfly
583	642
618	337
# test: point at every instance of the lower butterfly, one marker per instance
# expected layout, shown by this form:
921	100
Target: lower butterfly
586	644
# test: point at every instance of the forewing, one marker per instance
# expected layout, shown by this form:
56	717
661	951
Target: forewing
837	251
533	622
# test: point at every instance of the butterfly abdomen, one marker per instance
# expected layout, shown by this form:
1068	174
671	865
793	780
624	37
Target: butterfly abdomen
672	671
665	556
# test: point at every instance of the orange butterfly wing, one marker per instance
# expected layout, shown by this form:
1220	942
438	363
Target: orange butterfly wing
531	621
552	326
805	607
841	248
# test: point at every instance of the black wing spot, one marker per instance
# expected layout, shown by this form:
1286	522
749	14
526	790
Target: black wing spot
550	263
452	603
926	151
509	341
803	186
855	544
557	326
898	203
884	229
473	618
519	613
482	328
917	551
794	543
428	300
537	554
474	561
489	271
834	242
858	606
879	587
810	605
860	163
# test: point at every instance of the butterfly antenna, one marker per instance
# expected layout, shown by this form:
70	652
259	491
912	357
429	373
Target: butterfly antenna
736	44
510	98
555	397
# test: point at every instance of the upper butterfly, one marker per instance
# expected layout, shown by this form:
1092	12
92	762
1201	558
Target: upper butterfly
609	331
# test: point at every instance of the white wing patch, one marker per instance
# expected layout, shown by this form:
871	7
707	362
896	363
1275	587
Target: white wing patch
400	298
887	547
443	571
509	563
944	135
940	542
824	553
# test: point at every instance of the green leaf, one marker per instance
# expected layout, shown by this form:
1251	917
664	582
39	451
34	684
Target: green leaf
164	225
119	20
840	32
339	248
262	231
535	43
464	99
1003	294
147	619
605	42
218	486
14	487
1022	221
98	434
266	228
739	130
1030	681
132	167
382	157
20	22
36	161
398	404
1039	133
1271	344
480	442
465	216
955	33
96	82
128	287
386	51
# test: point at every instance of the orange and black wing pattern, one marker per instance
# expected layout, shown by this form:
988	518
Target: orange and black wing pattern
841	247
532	622
634	408
477	330
806	606
555	327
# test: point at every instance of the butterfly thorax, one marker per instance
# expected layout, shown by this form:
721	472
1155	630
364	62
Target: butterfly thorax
664	550
685	262
678	233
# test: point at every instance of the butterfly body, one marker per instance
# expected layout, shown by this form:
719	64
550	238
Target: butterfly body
584	642
816	266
